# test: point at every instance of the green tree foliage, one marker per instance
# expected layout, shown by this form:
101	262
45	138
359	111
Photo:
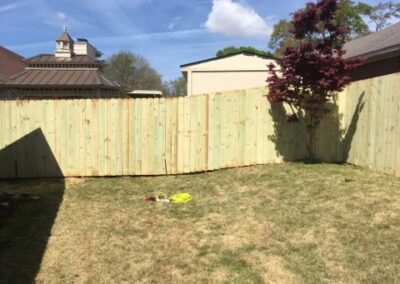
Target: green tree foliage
281	37
349	14
382	14
134	71
175	88
234	50
98	53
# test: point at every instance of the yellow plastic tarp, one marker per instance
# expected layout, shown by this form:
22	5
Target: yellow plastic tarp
180	197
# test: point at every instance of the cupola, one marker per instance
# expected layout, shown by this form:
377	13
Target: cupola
64	45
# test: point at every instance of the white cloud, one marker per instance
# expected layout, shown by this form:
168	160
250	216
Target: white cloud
236	20
118	16
59	16
171	25
142	37
57	19
10	7
118	41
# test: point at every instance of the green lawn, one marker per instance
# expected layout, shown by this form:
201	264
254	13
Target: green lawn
277	223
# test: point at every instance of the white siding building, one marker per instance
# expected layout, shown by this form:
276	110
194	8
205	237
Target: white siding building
233	72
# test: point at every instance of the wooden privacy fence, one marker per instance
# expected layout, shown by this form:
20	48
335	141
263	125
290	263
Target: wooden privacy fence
371	111
114	137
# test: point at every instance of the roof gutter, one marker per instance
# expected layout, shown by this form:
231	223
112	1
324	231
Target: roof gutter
383	53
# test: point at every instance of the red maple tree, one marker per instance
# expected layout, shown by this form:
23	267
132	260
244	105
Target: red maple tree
312	71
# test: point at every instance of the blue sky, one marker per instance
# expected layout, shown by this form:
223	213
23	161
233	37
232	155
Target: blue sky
167	32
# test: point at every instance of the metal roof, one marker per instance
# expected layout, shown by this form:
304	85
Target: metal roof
226	56
10	62
51	59
384	41
65	37
63	78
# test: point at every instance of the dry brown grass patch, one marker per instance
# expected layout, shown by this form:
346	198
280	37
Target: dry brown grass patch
291	223
272	267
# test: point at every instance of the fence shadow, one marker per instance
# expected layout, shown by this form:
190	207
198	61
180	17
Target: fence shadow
333	143
352	128
328	144
289	136
28	208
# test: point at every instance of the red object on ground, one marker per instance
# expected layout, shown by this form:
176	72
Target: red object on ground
149	198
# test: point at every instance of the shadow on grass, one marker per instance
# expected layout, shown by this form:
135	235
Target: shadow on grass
28	208
333	143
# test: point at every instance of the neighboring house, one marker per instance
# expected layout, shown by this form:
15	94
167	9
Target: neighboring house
232	72
10	63
381	51
71	72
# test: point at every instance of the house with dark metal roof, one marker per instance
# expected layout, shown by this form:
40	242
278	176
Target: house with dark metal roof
381	51
71	72
11	63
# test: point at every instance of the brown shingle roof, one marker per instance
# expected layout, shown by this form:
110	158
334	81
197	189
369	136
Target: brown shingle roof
386	40
63	78
10	62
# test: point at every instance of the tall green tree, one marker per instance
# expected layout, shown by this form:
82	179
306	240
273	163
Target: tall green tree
134	71
99	53
281	37
234	50
176	88
382	14
349	14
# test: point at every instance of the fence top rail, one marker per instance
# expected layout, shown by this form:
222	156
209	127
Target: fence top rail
224	93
